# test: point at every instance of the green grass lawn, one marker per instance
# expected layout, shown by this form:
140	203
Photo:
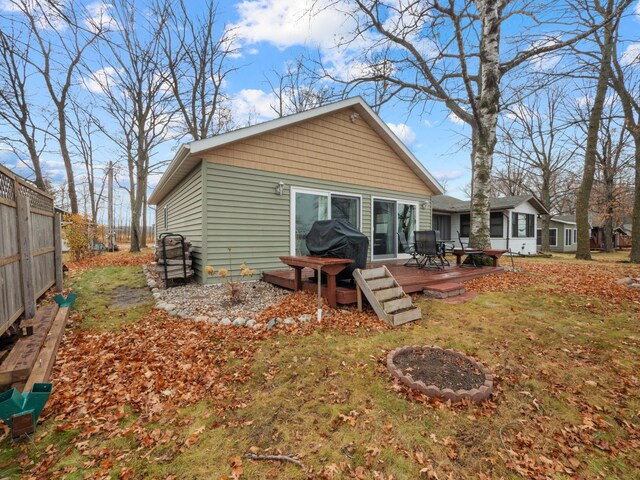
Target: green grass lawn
566	405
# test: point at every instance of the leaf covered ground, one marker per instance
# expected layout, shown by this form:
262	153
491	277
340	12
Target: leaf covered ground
158	397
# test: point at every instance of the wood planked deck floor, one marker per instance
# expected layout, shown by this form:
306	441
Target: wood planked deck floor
411	279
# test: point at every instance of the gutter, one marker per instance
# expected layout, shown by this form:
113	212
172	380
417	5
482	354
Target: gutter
157	194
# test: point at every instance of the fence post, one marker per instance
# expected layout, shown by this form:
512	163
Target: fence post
57	245
26	259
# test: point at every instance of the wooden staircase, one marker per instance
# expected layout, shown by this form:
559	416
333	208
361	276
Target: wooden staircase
385	296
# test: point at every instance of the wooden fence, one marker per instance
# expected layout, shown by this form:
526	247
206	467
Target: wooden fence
30	249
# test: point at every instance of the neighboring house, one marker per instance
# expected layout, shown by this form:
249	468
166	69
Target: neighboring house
513	221
621	237
251	195
563	234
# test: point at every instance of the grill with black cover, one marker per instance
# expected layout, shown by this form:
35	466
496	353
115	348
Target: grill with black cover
338	239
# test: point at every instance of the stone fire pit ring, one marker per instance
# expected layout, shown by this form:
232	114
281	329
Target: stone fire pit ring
477	394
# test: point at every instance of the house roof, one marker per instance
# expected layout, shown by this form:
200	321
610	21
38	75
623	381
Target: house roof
446	203
569	219
189	154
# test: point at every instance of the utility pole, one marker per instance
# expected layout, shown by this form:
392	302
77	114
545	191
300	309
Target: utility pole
111	227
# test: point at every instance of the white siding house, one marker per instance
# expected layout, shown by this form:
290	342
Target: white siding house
514	221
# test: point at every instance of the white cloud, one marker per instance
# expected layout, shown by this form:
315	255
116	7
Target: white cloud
100	17
631	55
637	9
252	106
97	81
546	61
455	119
285	23
46	16
403	132
448	174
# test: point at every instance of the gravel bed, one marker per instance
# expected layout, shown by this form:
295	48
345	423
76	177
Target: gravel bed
212	303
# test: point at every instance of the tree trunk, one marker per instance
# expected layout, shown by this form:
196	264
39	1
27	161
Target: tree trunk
484	135
584	192
64	152
545	199
35	160
609	195
143	235
635	225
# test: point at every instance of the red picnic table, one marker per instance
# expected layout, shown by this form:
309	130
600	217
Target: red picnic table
330	266
495	254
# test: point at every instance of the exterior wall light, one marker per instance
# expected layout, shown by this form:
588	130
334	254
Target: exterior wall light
280	188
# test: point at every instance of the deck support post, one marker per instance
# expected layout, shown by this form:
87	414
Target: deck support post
359	297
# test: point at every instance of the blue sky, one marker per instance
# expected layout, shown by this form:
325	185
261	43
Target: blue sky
269	34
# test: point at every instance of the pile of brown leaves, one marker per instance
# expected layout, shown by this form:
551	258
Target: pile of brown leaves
111	259
589	280
347	319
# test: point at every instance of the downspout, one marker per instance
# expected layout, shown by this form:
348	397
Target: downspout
506	215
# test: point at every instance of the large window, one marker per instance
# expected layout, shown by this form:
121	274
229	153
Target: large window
568	237
553	237
523	225
311	206
442	224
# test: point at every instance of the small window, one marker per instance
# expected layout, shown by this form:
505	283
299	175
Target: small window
553	237
568	237
523	225
465	225
575	236
496	229
166	218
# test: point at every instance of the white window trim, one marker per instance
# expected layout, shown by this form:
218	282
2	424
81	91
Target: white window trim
397	200
550	244
325	193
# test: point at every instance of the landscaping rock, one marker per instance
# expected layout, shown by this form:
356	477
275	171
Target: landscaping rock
257	326
152	284
239	322
169	307
202	318
625	281
271	324
225	322
251	322
305	318
288	321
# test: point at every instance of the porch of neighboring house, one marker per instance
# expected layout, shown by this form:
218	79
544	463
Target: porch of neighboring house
411	279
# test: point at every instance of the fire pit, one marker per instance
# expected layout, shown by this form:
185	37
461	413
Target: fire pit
440	373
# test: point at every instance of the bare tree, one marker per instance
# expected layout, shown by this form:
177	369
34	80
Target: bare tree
536	153
58	32
15	107
136	97
592	13
84	128
451	53
197	66
296	90
626	82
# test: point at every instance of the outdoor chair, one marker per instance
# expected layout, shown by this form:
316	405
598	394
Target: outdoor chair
472	253
427	249
409	249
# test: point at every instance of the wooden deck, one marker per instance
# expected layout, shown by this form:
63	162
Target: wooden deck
411	279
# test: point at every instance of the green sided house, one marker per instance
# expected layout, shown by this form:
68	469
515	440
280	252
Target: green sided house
563	234
251	195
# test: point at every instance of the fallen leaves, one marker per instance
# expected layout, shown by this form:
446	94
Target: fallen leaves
111	259
589	280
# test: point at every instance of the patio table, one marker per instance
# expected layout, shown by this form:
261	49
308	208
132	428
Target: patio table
330	266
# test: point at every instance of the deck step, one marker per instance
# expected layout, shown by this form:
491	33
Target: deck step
388	293
386	296
382	283
444	290
407	316
396	304
371	273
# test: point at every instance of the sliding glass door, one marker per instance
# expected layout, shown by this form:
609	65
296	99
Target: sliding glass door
310	206
394	224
